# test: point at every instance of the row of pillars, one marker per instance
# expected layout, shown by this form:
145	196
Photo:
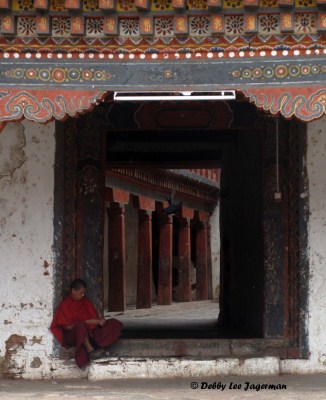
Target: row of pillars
116	201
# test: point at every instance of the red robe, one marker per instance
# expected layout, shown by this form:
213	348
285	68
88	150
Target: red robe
69	312
76	312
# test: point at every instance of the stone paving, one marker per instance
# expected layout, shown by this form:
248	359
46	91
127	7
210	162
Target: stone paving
298	387
178	315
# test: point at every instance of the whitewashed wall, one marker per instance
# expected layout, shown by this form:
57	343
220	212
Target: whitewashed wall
316	166
26	238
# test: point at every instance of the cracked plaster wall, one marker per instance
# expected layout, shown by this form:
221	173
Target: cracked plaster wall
26	239
316	167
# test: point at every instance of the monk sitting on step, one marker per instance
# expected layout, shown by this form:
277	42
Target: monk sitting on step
76	323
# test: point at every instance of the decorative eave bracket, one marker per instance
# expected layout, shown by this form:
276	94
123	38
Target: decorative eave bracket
304	103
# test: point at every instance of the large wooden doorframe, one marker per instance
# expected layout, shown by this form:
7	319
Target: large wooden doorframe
80	250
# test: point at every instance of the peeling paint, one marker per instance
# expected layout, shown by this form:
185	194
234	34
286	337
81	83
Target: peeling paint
10	368
12	154
26	212
36	363
36	340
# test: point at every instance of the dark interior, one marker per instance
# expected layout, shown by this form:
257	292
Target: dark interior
208	139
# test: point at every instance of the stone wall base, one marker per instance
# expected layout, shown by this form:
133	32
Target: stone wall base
124	368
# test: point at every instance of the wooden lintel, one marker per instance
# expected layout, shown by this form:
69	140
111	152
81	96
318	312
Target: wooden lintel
143	203
115	195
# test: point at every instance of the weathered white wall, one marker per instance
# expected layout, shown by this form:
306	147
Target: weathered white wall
26	237
316	166
214	222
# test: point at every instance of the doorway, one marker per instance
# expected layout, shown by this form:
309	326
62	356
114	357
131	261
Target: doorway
256	302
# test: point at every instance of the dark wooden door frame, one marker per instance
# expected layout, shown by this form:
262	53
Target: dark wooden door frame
78	225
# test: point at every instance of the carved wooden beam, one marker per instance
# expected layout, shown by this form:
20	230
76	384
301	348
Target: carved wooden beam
45	105
304	103
41	105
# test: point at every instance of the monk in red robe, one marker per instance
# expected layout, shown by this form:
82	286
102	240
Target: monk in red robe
76	323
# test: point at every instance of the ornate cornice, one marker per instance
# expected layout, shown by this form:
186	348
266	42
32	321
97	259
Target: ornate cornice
45	105
39	89
42	106
304	103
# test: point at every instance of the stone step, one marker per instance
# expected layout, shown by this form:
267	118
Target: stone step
208	348
173	367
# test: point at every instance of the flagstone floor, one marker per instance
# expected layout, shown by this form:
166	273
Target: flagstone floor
177	316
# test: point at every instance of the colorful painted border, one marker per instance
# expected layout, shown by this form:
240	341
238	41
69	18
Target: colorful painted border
306	104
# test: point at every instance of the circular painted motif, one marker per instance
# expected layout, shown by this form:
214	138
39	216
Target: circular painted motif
30	73
294	70
87	74
59	75
18	73
246	73
73	74
305	70
268	72
257	72
281	71
99	76
236	74
44	74
168	73
315	69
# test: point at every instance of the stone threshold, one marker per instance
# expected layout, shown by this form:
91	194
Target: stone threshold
202	347
174	367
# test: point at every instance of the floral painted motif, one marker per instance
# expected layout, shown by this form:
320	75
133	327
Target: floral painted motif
234	25
60	26
90	5
232	3
25	5
164	27
26	26
198	4
306	3
94	26
268	24
269	3
57	5
199	25
305	23
162	4
126	5
129	26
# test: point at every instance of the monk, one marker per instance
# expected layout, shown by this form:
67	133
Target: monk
76	323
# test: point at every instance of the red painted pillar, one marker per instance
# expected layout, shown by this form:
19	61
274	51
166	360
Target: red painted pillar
201	263
144	272
184	255
164	290
117	258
